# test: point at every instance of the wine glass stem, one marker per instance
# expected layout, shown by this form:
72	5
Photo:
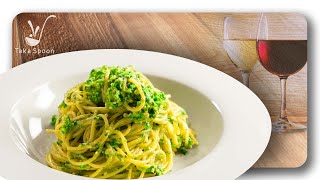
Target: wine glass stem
283	110
245	78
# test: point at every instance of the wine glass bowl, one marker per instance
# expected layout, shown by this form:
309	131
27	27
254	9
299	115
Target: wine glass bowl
239	41
282	57
282	50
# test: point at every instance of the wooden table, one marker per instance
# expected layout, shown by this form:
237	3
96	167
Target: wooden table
197	36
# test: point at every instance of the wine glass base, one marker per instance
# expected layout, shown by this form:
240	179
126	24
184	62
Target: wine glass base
283	125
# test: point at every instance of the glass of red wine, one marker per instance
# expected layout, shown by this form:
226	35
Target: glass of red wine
282	50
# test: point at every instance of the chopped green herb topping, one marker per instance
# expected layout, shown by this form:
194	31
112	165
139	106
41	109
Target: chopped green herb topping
190	143
62	105
155	126
170	119
115	143
182	150
172	145
97	145
95	84
59	142
118	80
183	112
144	136
68	125
138	116
155	100
103	152
63	167
180	140
53	120
98	118
120	157
157	170
161	142
147	125
83	166
119	91
81	173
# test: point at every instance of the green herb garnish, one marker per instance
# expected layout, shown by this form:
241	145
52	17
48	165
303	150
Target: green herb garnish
62	105
83	166
115	143
147	126
157	170
53	120
182	150
68	125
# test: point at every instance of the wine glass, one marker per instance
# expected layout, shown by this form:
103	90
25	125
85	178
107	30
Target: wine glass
240	33
282	50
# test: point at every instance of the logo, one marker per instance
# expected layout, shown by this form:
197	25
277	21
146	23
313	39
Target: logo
32	40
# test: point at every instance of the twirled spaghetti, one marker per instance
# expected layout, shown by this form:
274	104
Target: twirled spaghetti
118	125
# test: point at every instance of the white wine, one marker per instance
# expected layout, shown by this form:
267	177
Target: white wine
243	53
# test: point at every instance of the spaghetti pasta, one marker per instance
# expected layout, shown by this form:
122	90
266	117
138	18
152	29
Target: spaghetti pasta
118	125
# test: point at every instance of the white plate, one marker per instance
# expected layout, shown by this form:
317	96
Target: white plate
232	124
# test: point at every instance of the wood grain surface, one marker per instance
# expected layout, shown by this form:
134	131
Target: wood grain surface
197	36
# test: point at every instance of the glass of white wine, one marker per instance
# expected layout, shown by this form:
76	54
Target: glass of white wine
240	33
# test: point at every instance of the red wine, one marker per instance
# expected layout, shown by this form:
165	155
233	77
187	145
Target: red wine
282	57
